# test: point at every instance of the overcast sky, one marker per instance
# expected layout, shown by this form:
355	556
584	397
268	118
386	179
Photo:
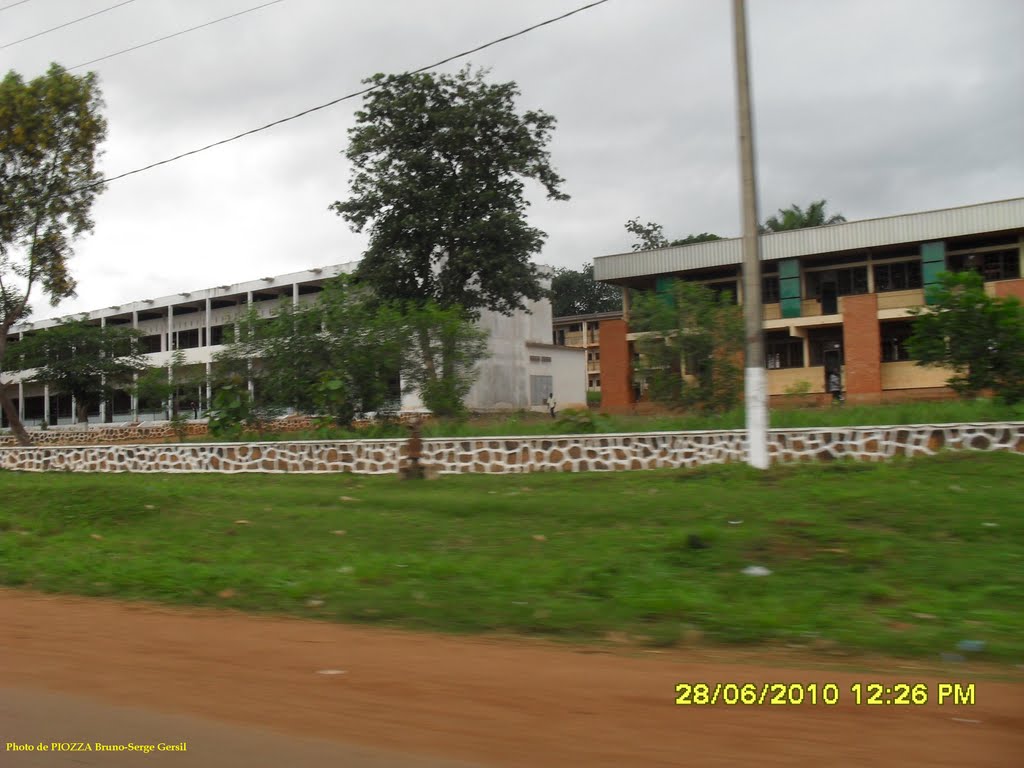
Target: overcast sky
880	106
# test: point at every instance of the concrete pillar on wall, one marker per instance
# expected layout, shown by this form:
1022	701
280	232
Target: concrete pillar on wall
209	386
169	405
46	404
862	348
207	342
103	380
295	294
616	365
74	410
21	401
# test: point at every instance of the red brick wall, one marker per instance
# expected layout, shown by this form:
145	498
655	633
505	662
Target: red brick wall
862	348
616	368
1010	288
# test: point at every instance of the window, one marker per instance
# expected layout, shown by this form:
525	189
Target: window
729	289
847	282
593	356
560	337
900	276
994	265
186	339
770	289
894	341
783	352
150	344
540	389
823	340
216	335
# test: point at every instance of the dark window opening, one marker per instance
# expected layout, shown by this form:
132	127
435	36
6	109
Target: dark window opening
894	338
900	276
821	342
845	282
994	265
150	344
781	351
770	290
187	339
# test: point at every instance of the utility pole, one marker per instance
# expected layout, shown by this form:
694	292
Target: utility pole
754	373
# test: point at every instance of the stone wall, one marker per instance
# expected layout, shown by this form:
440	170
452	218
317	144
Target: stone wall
564	453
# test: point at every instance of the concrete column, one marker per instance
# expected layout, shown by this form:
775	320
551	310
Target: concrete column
135	397
21	401
208	315
74	410
103	402
871	273
209	386
295	294
249	384
46	404
170	348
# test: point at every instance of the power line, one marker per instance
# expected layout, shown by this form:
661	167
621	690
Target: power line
346	97
175	34
20	2
61	26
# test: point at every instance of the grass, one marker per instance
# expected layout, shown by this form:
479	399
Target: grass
906	558
531	423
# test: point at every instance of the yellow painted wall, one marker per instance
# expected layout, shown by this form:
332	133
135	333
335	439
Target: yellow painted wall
909	375
780	379
897	299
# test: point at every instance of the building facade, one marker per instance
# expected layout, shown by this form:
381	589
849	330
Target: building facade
522	360
836	298
584	332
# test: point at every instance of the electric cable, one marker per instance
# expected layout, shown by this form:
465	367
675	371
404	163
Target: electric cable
175	34
346	97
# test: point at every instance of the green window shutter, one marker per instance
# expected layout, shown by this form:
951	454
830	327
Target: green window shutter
933	261
789	287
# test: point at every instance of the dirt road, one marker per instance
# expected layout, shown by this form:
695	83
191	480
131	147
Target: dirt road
242	690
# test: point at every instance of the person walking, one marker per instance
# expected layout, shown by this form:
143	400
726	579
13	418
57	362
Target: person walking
835	386
551	404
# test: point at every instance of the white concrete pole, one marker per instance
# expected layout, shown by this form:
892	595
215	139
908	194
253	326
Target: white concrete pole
21	402
46	404
103	381
135	376
249	383
208	314
170	348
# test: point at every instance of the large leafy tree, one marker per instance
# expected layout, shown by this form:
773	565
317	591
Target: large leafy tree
796	217
979	337
575	292
690	345
652	235
50	131
440	163
337	356
86	361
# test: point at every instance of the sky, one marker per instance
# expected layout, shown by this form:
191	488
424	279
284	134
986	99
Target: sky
881	107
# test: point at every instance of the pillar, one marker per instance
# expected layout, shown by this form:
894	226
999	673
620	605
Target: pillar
206	341
616	365
21	401
862	348
209	386
46	404
103	381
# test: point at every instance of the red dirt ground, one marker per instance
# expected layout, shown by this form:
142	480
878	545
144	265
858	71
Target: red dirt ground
244	690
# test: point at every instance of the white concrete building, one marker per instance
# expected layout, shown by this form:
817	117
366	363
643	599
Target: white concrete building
522	371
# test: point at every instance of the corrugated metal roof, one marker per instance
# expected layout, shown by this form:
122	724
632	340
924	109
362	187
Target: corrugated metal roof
854	235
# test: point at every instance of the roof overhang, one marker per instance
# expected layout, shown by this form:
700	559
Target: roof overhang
977	219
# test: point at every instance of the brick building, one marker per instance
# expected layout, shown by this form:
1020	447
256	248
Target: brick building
835	297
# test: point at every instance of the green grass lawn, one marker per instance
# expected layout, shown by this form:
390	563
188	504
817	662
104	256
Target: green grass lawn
906	558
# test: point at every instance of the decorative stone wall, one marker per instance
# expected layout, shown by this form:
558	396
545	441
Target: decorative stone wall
565	453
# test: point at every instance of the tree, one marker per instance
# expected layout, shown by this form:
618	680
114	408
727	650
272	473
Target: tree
440	163
444	369
979	337
174	387
50	131
88	362
651	235
691	347
795	217
338	356
575	292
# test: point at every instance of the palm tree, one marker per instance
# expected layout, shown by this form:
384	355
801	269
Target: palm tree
795	217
